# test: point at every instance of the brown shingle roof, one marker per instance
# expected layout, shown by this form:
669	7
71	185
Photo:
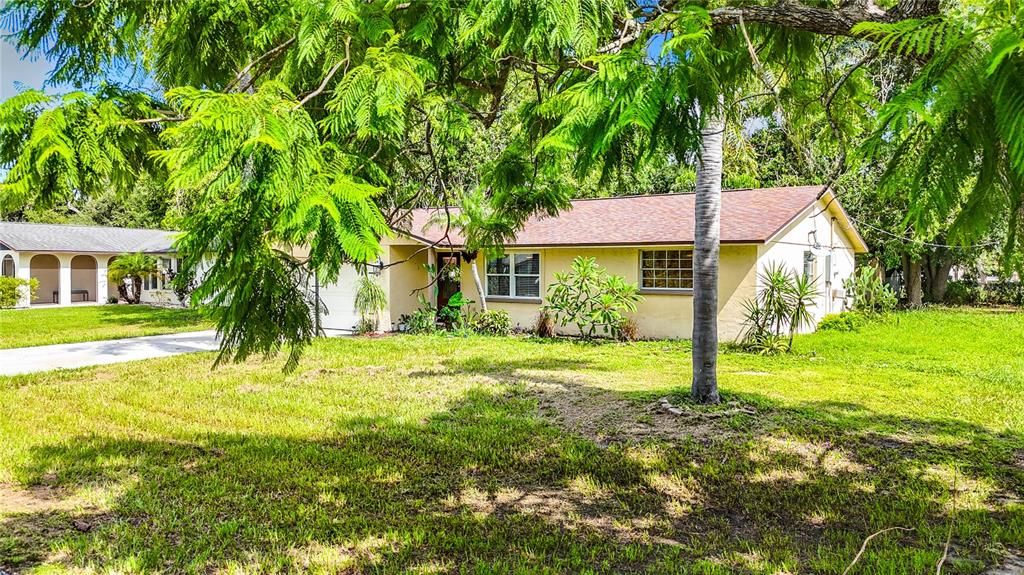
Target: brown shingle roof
748	216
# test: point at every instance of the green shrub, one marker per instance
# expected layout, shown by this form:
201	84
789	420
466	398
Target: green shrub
870	293
963	292
492	322
843	321
454	314
591	299
423	320
1005	293
11	290
970	292
767	344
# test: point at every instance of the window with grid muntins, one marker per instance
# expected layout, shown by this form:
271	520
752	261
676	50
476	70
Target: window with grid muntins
514	275
666	269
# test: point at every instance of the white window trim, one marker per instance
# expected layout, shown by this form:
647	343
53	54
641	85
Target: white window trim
667	290
512	278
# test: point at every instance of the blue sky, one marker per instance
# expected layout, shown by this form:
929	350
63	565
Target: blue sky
16	70
19	71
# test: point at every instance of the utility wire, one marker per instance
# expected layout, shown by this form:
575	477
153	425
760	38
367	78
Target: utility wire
913	241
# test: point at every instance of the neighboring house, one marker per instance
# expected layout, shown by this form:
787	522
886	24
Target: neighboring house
70	261
649	241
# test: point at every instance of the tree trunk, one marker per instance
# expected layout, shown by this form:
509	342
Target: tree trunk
912	281
940	281
136	290
707	225
471	260
937	266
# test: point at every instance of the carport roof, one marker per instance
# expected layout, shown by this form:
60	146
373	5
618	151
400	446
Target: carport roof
29	237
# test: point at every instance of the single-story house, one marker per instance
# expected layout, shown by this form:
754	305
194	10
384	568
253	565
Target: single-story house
649	241
70	261
646	239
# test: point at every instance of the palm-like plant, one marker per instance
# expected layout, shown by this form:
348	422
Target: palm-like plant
803	294
784	302
127	272
370	301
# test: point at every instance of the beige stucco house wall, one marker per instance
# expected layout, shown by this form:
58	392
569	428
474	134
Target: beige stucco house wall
659	315
822	230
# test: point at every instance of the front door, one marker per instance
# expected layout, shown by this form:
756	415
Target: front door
448	283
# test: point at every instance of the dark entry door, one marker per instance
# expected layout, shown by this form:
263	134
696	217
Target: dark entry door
447	266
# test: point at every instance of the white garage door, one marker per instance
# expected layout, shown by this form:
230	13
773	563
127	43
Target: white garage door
339	301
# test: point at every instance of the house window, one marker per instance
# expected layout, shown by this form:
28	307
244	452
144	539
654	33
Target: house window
514	275
666	269
7	268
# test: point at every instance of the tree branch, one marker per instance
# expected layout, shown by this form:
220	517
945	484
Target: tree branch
830	22
794	15
268	54
330	74
864	546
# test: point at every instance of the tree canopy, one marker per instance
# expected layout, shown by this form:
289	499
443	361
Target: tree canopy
318	123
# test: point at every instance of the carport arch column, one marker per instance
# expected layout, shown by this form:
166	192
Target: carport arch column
65	278
24	272
101	278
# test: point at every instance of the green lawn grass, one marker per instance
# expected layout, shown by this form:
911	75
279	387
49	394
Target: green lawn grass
490	455
45	326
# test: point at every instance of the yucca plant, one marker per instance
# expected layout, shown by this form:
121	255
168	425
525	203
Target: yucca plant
803	295
782	306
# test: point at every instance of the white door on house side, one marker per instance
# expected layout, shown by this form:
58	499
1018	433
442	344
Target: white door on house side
339	301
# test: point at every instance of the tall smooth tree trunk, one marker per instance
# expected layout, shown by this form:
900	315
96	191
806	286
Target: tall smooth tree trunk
707	229
940	281
471	260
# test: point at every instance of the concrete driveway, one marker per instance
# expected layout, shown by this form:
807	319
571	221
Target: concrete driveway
71	355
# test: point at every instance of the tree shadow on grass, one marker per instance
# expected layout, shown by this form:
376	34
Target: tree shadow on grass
488	486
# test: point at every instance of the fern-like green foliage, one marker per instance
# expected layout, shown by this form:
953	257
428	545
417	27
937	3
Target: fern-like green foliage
958	128
296	131
265	189
78	144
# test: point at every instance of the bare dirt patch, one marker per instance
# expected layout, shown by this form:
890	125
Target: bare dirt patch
1013	565
567	508
33	499
606	417
36	516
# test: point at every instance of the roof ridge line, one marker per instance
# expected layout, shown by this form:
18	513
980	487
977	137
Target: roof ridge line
669	194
